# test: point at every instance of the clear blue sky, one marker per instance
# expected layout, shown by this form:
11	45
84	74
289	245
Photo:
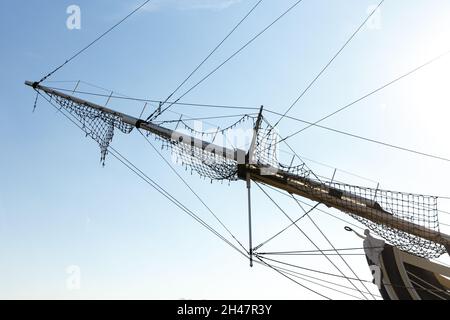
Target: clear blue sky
59	207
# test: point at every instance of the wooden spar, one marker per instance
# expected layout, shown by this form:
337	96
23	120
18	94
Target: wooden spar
294	184
236	154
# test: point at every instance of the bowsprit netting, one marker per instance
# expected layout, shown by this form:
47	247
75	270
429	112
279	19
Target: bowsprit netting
266	151
414	209
207	164
95	123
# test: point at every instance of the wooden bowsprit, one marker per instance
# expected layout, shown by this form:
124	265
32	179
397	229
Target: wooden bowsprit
369	206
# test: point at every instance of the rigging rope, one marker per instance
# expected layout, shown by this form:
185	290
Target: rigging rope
94	41
283	253
385	144
284	229
370	94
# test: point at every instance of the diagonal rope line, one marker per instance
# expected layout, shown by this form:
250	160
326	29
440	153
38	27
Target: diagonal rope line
192	190
287	227
369	94
332	246
329	63
312	251
121	97
212	52
235	53
94	41
307	237
382	143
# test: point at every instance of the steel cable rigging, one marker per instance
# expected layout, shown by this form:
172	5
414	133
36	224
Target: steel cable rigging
94	41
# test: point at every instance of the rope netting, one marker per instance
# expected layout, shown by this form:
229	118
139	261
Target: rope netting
97	124
194	157
266	151
413	209
205	164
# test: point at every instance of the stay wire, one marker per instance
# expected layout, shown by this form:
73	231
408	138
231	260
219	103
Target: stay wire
370	94
121	97
313	251
385	144
284	229
94	41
